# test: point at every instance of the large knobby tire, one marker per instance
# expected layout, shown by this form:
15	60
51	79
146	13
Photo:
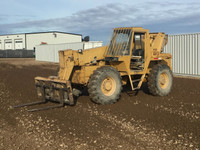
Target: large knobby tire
160	80
105	85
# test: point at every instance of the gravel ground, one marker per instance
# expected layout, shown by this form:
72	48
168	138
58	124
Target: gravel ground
137	121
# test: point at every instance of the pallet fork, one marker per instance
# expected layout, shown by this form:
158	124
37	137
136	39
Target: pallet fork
51	89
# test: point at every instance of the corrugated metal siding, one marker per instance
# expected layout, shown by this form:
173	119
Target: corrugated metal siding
185	52
50	52
88	45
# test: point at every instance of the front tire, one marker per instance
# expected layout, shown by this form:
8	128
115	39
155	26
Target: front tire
160	80
105	85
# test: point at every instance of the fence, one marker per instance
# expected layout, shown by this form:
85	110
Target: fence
17	53
185	50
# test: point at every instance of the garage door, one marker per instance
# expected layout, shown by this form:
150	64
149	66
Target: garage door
8	44
18	44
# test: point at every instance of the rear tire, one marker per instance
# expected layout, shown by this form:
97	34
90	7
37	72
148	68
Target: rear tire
160	80
105	85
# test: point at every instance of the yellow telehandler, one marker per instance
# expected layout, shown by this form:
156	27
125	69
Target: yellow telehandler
133	56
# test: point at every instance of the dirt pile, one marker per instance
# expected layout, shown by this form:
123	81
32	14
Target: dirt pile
136	121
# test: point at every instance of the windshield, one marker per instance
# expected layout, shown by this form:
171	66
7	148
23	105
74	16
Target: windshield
120	43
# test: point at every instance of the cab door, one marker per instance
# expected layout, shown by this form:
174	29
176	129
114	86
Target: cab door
138	51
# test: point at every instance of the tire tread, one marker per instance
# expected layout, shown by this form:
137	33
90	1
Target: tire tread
93	82
152	79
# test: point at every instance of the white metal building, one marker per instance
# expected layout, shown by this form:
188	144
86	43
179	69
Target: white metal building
28	41
185	50
49	52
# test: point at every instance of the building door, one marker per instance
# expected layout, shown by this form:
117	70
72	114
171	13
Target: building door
19	44
0	46
8	44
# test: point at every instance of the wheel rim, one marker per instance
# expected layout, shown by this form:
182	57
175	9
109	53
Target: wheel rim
164	80
108	86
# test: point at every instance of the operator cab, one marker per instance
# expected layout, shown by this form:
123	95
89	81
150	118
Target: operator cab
127	45
137	56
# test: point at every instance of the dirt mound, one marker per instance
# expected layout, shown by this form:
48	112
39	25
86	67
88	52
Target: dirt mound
138	120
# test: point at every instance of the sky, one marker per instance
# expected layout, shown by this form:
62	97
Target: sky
97	18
